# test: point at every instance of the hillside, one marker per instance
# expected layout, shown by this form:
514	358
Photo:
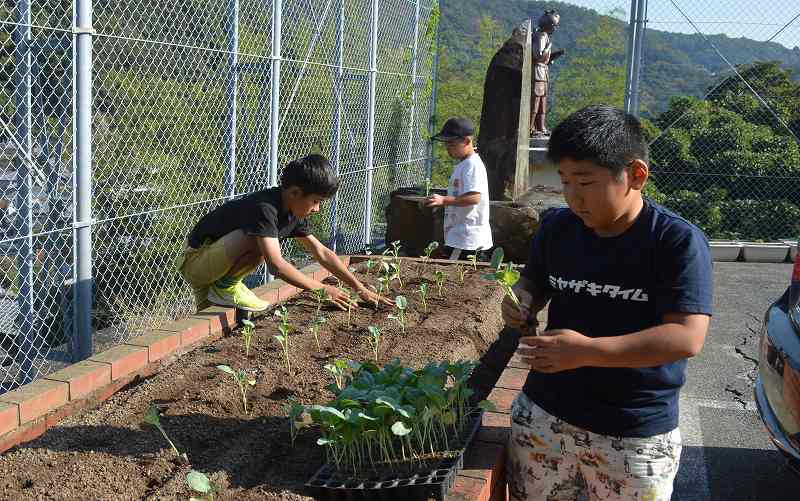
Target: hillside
675	64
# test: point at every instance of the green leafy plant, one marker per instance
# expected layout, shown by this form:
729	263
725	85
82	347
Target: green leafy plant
153	418
337	369
321	295
374	340
400	317
316	325
394	273
428	251
504	274
461	272
247	335
352	300
379	289
383	416
244	380
199	482
473	258
283	338
439	275
423	295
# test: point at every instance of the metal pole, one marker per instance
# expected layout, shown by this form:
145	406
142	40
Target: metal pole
373	73
641	21
414	55
23	160
275	82
434	89
337	116
232	95
82	123
630	55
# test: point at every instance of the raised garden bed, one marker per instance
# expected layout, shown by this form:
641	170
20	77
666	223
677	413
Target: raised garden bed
108	453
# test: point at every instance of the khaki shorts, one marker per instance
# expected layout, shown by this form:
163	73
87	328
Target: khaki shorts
202	267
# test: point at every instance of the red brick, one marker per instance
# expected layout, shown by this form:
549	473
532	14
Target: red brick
484	461
222	319
316	271
159	344
512	379
516	362
468	489
287	291
495	428
502	399
124	360
9	417
24	433
268	292
83	378
192	330
37	398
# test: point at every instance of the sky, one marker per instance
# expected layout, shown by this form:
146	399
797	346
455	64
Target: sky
754	19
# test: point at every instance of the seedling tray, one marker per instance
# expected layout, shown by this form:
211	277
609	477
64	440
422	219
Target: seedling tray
431	484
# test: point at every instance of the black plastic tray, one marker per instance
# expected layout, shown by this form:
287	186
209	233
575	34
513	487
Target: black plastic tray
422	486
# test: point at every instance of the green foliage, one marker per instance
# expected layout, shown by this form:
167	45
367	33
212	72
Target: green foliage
153	418
199	482
242	379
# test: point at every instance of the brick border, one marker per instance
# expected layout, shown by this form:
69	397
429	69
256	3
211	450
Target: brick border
30	410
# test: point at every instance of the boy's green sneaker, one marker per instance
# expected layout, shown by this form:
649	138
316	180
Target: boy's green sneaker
238	296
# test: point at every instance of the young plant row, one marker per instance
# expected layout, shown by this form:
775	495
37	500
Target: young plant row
385	416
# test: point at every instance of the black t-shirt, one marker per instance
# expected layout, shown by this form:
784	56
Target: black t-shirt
610	287
260	214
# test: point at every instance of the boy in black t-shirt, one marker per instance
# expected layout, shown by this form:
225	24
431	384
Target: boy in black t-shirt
630	290
230	242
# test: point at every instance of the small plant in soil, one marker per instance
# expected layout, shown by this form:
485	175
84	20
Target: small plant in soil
473	258
394	273
283	338
153	418
401	304
321	295
374	340
423	295
382	418
439	275
316	325
244	380
504	274
337	369
298	419
428	251
247	335
352	300
379	289
461	272
200	483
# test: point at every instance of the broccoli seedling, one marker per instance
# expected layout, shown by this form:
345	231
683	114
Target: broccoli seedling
401	304
439	281
298	419
315	327
337	370
394	273
473	258
428	186
379	290
153	418
321	295
352	299
199	482
428	251
461	272
244	381
283	340
423	295
374	339
247	335
504	274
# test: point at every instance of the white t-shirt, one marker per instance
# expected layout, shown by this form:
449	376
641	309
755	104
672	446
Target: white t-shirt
467	228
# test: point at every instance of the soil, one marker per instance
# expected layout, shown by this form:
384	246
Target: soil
108	454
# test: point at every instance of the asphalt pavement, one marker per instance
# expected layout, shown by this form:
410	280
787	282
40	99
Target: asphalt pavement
727	454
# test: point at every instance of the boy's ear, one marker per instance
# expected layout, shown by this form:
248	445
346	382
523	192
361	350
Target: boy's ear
638	172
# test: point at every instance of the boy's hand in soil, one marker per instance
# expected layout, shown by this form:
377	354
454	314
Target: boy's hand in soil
339	298
371	297
556	350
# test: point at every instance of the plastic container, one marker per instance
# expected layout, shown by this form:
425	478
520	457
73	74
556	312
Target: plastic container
771	252
725	250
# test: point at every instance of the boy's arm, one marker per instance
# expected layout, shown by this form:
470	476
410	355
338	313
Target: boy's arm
331	262
680	336
463	200
271	250
531	302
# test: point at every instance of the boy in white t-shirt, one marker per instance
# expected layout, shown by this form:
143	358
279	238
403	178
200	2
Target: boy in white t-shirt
466	205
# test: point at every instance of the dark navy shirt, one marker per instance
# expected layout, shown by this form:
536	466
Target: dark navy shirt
610	287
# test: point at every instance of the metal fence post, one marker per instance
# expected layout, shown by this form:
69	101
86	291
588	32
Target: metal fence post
373	74
634	48
82	158
414	55
23	161
337	117
629	55
275	96
231	96
434	89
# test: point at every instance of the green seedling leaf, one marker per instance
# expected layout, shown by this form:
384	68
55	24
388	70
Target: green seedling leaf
430	248
248	324
325	441
401	302
497	258
152	417
487	405
226	369
198	482
400	429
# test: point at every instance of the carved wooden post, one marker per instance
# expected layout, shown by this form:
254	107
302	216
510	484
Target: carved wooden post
523	131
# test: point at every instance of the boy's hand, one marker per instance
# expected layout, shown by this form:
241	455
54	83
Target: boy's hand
434	201
339	298
372	297
556	350
516	316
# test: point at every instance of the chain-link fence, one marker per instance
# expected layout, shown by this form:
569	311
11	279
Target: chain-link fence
125	121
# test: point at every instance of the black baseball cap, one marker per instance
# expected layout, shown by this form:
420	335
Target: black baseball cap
455	128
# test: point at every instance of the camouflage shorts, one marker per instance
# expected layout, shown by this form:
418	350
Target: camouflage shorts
550	460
